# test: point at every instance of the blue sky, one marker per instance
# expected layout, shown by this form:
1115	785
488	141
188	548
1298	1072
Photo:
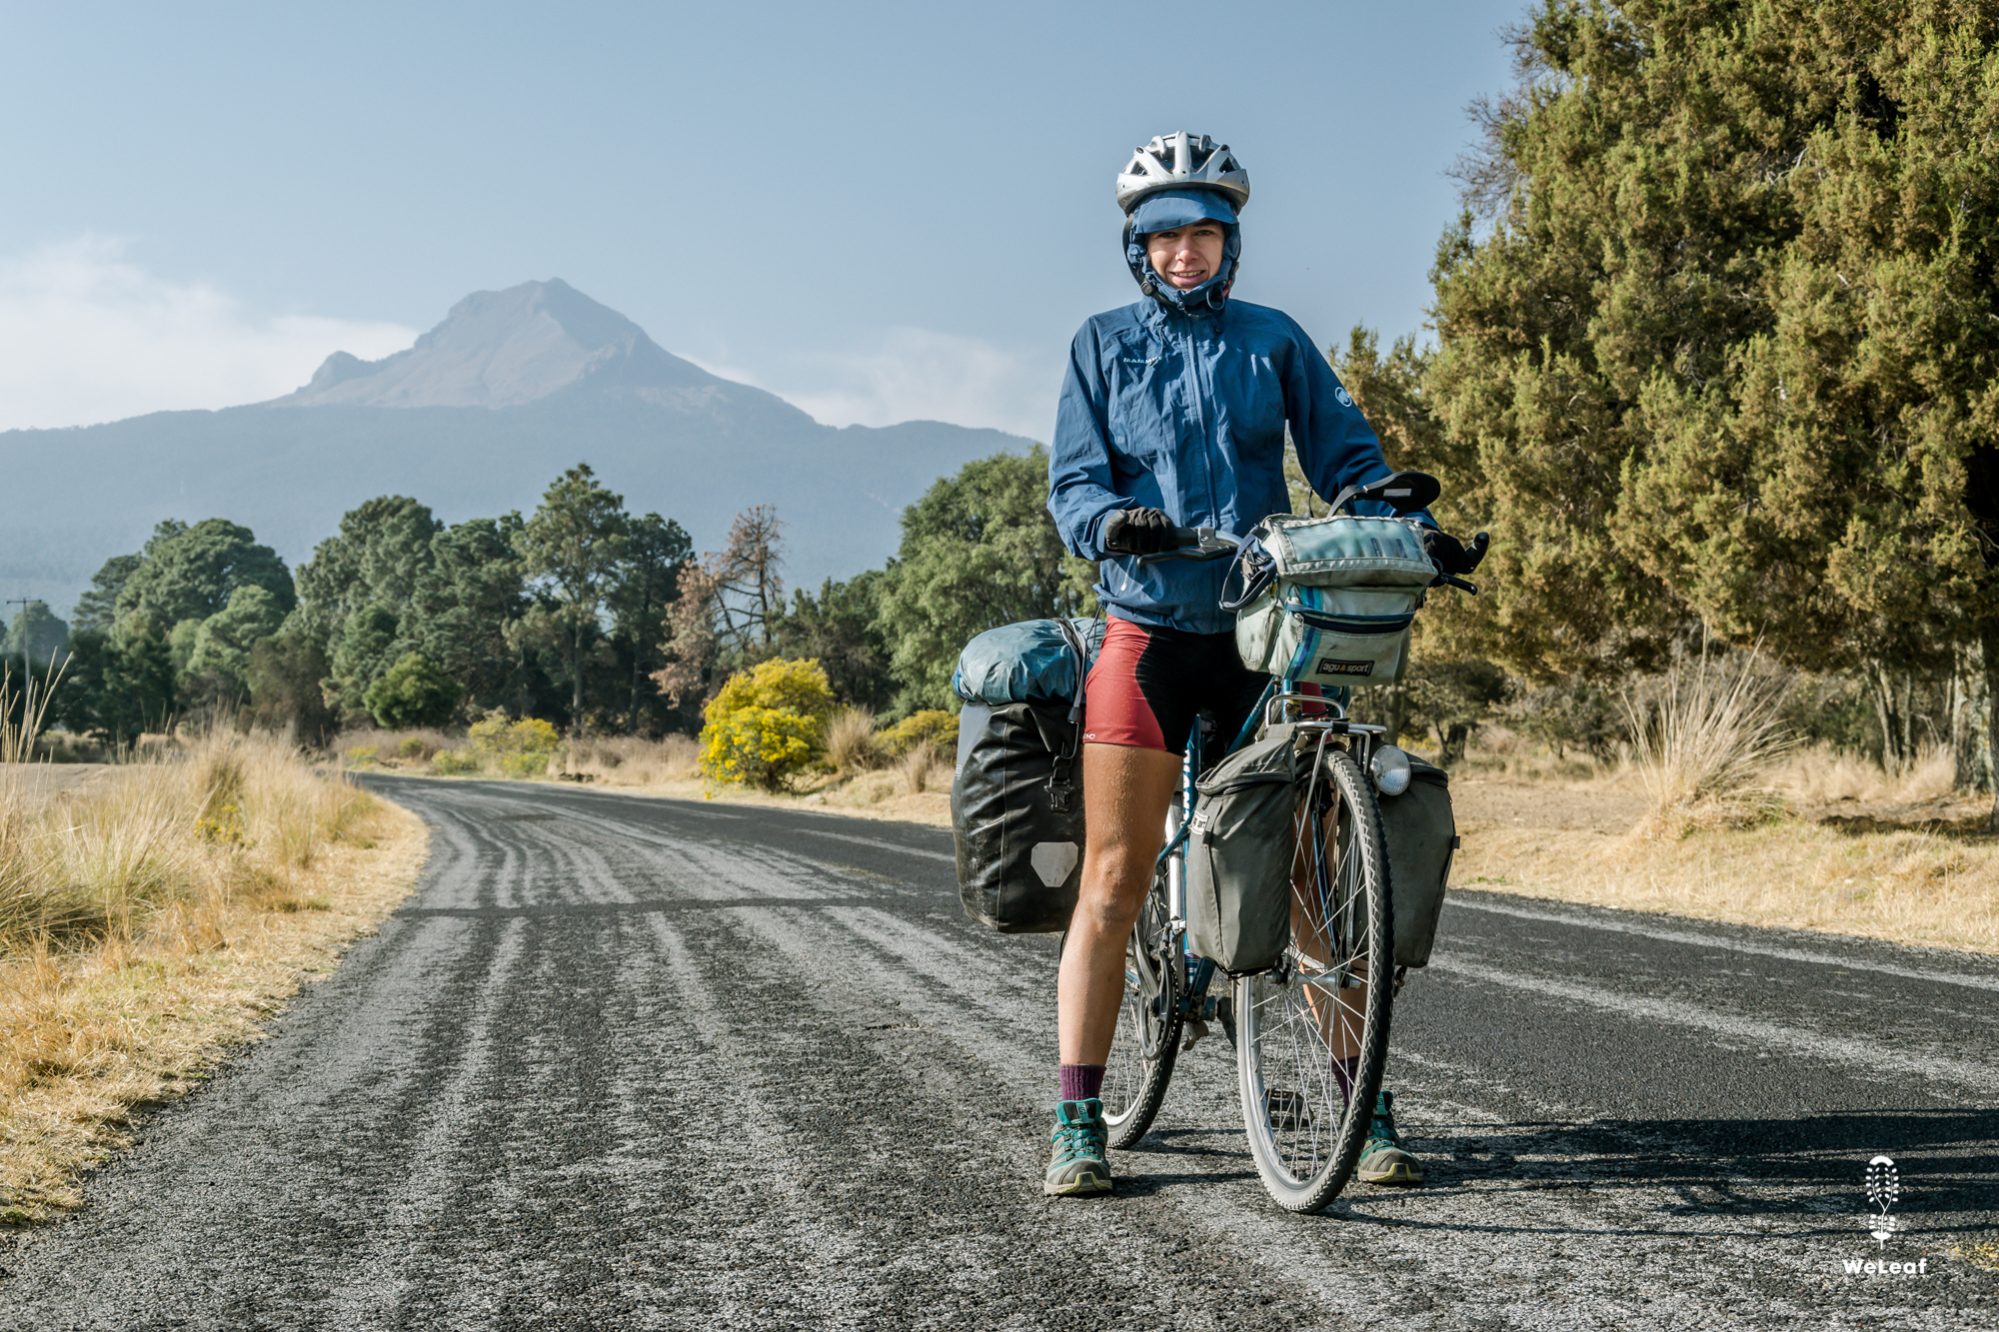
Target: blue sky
880	210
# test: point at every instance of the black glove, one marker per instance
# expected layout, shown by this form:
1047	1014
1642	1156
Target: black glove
1138	532
1452	556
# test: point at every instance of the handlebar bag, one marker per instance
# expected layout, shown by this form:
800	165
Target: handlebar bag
1017	789
1241	844
1330	601
1422	837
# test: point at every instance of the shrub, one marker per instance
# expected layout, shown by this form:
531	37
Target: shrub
524	763
932	728
767	724
413	692
1576	715
360	756
496	739
454	762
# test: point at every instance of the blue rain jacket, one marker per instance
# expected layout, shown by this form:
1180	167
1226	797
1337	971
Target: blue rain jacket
1182	406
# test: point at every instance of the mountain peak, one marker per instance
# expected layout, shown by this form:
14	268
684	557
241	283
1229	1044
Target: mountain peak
503	349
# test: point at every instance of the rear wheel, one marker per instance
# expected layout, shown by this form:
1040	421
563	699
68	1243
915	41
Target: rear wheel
1148	1024
1317	1006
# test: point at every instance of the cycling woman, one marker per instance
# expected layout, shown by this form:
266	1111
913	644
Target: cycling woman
1174	413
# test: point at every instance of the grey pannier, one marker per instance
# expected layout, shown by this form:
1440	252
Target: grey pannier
1240	849
1422	835
1330	601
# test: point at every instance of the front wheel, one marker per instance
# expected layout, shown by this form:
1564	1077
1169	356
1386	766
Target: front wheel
1148	1024
1319	1007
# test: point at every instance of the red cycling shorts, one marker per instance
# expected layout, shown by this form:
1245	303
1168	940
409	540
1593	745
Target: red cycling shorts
1148	684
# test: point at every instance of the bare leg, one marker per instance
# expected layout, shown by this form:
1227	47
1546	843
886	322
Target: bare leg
1126	792
1340	1013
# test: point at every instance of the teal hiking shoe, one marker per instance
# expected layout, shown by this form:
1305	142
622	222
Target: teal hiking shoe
1383	1159
1077	1166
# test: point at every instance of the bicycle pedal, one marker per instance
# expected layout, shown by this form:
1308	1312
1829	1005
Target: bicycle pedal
1196	1030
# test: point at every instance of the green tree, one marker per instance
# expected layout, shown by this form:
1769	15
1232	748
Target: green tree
644	583
97	608
978	550
571	548
359	585
36	636
466	602
218	667
285	678
841	628
413	692
116	689
1721	339
189	573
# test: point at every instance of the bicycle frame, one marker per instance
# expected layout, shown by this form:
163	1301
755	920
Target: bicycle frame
1280	704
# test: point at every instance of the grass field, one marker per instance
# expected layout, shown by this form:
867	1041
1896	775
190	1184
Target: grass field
151	917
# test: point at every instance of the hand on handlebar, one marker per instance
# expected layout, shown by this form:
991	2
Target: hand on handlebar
1139	532
1452	556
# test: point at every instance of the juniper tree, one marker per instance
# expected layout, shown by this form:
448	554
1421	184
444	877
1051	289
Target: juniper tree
1717	328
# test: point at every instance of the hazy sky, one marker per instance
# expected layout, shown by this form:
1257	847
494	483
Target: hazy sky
878	210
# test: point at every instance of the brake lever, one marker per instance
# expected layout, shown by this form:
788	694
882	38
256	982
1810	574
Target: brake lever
1454	581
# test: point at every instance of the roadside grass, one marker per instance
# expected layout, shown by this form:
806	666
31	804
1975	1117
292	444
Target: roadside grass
150	919
1841	845
1801	838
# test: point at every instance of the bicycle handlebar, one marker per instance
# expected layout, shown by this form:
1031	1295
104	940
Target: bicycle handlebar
1205	543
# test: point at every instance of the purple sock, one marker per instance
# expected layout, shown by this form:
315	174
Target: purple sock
1343	1071
1082	1081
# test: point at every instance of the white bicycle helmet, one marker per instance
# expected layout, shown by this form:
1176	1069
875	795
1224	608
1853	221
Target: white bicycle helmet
1180	161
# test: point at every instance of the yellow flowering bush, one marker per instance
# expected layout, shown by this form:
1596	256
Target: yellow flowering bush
767	725
517	749
932	726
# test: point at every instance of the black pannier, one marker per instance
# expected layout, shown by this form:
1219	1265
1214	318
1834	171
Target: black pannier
1017	789
1017	815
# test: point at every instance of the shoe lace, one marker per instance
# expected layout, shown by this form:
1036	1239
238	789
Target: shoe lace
1381	1130
1077	1139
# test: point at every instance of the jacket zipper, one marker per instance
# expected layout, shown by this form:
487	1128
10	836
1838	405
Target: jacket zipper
1201	418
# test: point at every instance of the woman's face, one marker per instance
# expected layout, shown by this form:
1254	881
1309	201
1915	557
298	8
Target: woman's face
1186	256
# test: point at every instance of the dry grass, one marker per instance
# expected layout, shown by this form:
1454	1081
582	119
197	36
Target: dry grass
851	746
631	761
922	768
23	704
152	918
1915	872
1823	775
1702	740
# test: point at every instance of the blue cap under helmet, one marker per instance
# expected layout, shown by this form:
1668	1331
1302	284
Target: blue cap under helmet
1166	210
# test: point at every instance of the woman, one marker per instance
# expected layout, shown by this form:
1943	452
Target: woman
1174	413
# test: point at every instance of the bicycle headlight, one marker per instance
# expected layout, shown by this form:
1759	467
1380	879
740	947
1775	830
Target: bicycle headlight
1390	768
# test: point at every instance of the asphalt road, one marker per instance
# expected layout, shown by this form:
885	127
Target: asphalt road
627	1063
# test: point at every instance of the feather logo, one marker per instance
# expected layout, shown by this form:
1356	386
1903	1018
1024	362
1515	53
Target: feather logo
1884	1187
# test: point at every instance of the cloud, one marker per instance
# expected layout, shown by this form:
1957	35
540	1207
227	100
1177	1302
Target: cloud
86	335
912	374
